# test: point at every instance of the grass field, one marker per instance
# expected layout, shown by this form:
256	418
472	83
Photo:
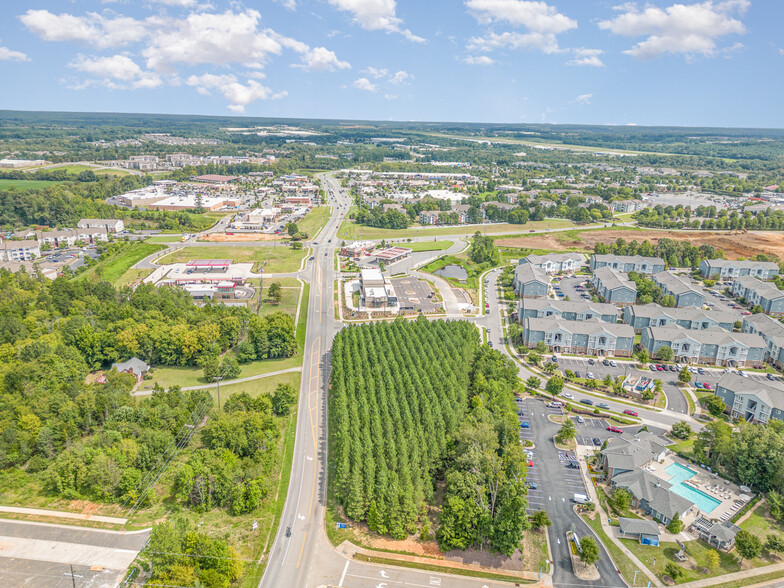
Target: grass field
165	239
351	231
113	269
429	245
26	184
761	524
314	220
288	303
278	259
189	376
131	276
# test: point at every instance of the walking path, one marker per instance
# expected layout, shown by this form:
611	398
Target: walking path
63	515
227	382
609	529
742	575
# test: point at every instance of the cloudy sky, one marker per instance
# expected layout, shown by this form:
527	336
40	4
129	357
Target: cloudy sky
714	62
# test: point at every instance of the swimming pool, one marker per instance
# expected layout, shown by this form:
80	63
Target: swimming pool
679	473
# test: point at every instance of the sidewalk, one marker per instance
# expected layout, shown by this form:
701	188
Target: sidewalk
609	529
62	515
742	575
350	550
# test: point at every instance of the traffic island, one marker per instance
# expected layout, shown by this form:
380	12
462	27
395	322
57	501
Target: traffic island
582	570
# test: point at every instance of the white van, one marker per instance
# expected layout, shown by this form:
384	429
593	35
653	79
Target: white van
555	405
581	499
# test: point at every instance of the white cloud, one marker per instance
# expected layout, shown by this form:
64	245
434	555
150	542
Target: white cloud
547	43
589	57
584	99
390	96
290	4
539	17
376	15
365	84
400	77
691	30
108	71
238	95
90	29
181	3
481	60
322	59
781	51
377	73
7	54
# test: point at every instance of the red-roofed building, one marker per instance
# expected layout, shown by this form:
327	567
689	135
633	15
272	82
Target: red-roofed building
392	254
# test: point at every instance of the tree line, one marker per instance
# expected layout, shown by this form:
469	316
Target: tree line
674	253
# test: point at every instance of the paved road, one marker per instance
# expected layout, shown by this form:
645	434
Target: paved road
41	555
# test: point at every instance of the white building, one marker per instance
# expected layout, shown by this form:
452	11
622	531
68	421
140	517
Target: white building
112	225
19	250
375	291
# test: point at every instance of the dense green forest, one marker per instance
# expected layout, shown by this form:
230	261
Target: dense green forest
674	253
415	404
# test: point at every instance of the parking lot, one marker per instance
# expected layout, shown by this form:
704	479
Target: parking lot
568	287
415	294
714	301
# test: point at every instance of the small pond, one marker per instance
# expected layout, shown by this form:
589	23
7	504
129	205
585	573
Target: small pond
457	272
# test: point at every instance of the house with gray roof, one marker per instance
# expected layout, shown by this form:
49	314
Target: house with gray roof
627	455
628	263
652	495
568	310
592	337
645	531
718	535
756	402
556	263
133	366
709	346
727	269
642	316
680	288
756	292
772	332
614	287
530	281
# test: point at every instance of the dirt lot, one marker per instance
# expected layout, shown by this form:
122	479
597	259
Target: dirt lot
734	246
241	237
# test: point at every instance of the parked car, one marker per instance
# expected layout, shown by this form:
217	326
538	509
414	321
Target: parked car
580	419
587	401
525	425
614	429
554	359
530	463
531	485
701	371
591	361
630	412
659	368
597	441
606	362
770	377
577	374
613	363
672	368
573	466
589	375
653	368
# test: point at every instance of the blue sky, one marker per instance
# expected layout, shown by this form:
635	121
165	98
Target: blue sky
707	63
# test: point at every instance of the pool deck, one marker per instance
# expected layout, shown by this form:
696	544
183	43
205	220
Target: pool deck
707	482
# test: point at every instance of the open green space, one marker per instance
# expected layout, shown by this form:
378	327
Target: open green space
26	184
132	276
189	376
429	245
274	259
761	524
165	239
314	220
470	285
351	231
114	268
622	562
441	569
696	567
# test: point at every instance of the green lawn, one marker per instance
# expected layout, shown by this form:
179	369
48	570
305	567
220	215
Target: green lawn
165	239
288	303
188	376
314	220
114	268
698	550
429	245
278	259
257	387
622	562
351	231
26	184
761	524
132	276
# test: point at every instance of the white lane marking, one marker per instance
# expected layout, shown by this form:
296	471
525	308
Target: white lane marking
288	543
343	575
383	574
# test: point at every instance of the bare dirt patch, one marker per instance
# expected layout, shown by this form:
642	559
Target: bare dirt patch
221	237
734	246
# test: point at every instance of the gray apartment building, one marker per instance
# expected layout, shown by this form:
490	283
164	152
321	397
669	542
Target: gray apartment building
613	286
642	316
756	402
772	332
577	310
628	263
556	263
530	281
756	292
680	288
592	337
728	269
709	346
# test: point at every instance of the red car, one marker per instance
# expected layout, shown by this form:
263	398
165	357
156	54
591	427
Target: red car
630	412
660	368
614	429
530	463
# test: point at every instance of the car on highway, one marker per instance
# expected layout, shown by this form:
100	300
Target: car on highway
614	429
311	258
587	401
525	425
630	412
288	531
603	405
567	395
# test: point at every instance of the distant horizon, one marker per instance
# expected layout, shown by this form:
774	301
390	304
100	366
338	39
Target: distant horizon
5	111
